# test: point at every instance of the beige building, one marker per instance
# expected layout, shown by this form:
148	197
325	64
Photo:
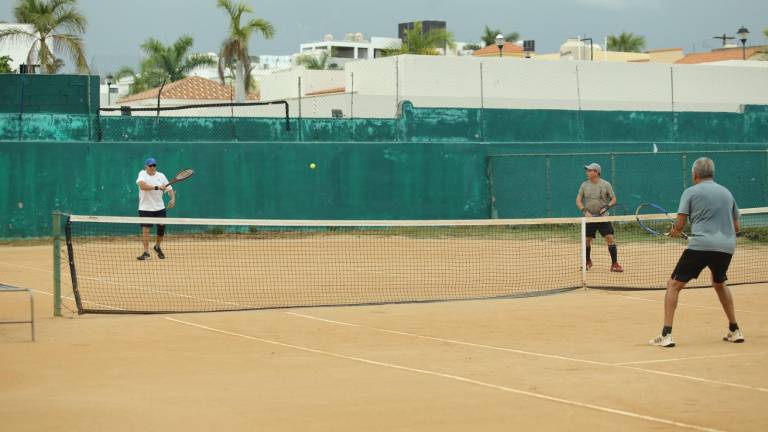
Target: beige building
579	49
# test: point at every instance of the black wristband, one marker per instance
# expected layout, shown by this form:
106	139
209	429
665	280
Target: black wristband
156	188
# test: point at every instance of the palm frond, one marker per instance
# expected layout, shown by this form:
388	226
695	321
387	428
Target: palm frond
72	45
265	27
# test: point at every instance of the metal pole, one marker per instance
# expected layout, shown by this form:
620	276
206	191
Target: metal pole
56	263
584	252
743	49
300	118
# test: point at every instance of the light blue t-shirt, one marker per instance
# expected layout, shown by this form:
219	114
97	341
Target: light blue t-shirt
711	209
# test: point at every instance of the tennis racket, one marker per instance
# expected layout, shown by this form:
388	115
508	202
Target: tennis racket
656	226
617	209
181	176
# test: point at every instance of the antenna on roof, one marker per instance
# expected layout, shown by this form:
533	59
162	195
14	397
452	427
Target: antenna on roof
724	38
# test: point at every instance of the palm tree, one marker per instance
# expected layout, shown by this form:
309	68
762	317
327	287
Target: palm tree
172	62
56	28
626	42
313	62
418	42
489	36
234	50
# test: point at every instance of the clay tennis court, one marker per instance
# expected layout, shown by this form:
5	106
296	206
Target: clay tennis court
569	361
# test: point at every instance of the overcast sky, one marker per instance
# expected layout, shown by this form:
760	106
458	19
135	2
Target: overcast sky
116	28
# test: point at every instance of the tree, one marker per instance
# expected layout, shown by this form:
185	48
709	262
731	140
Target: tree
315	62
472	47
418	42
164	63
5	64
57	26
489	36
234	49
626	42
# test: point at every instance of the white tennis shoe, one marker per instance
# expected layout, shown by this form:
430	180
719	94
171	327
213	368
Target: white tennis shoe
734	336
663	341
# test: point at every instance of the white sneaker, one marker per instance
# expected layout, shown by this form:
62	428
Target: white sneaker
734	336
663	341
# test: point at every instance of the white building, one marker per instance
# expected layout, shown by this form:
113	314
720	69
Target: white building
353	47
16	49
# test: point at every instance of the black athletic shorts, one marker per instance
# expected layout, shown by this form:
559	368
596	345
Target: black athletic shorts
692	262
151	213
605	228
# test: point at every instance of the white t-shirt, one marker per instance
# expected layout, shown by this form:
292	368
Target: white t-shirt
152	200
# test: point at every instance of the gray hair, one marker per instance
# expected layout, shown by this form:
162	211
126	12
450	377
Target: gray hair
703	168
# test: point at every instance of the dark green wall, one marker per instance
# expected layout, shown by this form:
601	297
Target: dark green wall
362	180
61	94
419	125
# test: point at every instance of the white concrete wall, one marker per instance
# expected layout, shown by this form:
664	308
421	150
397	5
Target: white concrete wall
524	84
285	84
379	85
624	86
719	88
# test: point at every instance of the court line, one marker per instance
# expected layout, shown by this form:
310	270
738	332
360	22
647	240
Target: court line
689	358
450	377
534	354
683	304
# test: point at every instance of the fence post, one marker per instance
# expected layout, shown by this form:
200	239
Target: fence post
56	263
301	123
482	105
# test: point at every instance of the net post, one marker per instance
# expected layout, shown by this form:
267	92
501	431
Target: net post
56	233
584	252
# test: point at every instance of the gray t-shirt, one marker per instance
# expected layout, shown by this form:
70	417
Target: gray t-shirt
711	208
596	196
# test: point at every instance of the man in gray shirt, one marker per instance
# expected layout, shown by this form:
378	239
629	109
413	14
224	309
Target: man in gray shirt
594	199
714	224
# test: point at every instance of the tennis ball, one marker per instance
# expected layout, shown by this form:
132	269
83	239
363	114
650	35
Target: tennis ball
312	166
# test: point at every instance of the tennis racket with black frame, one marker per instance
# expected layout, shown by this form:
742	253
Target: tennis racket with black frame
656	226
181	176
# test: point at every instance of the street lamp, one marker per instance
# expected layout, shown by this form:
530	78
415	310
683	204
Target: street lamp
591	48
109	89
500	43
743	33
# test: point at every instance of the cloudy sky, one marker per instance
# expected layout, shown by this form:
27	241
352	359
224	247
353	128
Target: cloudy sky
116	28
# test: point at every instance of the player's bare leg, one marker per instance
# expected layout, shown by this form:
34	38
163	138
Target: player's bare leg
145	242
726	299
613	250
670	306
589	252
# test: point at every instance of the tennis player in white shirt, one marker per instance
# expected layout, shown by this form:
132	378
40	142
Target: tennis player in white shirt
152	185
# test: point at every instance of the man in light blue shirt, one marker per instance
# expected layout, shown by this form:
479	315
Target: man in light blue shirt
714	225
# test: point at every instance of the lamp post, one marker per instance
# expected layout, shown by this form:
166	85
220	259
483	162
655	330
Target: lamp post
109	89
743	33
500	43
591	48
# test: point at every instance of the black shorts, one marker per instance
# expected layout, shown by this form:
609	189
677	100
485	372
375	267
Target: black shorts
605	228
692	262
153	213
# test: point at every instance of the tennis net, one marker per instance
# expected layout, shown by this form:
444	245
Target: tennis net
216	265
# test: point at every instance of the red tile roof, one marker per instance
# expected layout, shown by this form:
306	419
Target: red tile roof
333	90
510	49
722	54
193	88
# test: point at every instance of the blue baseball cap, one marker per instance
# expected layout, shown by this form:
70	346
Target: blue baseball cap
150	161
